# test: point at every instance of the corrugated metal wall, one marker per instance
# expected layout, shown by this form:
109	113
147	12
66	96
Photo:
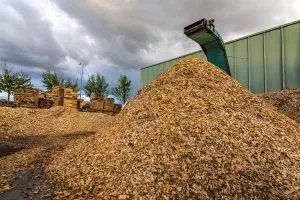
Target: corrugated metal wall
265	61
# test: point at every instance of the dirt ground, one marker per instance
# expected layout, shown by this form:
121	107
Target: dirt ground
27	181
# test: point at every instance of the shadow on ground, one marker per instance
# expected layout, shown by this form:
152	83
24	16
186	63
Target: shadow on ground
30	183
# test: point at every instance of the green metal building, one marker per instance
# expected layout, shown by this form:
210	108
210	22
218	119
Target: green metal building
262	62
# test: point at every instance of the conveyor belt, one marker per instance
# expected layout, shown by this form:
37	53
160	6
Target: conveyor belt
205	34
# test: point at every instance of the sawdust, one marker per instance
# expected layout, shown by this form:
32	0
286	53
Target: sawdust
286	102
193	133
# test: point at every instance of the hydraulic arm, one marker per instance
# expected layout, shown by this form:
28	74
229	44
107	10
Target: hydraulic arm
205	34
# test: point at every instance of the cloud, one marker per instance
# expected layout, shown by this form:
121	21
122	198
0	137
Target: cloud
3	95
120	36
27	39
129	33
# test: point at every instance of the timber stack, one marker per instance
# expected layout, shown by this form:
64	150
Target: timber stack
27	97
70	98
97	103
57	95
104	105
45	100
4	102
60	96
32	98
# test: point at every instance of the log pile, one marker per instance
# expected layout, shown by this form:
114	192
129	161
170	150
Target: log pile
57	95
32	98
45	103
60	96
70	98
4	102
104	105
27	97
64	97
97	103
109	105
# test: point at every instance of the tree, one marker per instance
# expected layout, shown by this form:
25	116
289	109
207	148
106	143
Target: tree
50	79
96	84
70	84
10	82
122	91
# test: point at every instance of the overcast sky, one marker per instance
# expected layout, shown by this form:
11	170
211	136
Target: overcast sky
114	37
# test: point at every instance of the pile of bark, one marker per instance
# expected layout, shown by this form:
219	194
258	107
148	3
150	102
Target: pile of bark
286	102
193	133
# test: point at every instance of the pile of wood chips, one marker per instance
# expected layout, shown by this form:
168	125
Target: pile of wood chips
193	133
286	102
54	126
24	122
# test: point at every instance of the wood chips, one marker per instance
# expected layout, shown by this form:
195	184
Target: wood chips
193	133
286	101
34	132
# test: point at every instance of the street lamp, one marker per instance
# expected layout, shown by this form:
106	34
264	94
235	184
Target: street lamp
80	64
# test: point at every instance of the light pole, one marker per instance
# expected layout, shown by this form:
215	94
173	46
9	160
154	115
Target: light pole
81	80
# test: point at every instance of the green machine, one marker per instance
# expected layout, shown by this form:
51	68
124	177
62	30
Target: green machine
206	35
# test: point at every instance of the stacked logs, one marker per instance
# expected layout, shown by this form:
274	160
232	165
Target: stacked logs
70	98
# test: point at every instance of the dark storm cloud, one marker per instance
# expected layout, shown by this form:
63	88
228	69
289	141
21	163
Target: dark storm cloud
120	36
25	38
126	29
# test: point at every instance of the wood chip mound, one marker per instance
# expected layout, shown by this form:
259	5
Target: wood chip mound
286	102
193	133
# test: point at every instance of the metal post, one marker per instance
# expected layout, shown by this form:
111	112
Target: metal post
249	64
81	80
282	59
265	63
234	56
